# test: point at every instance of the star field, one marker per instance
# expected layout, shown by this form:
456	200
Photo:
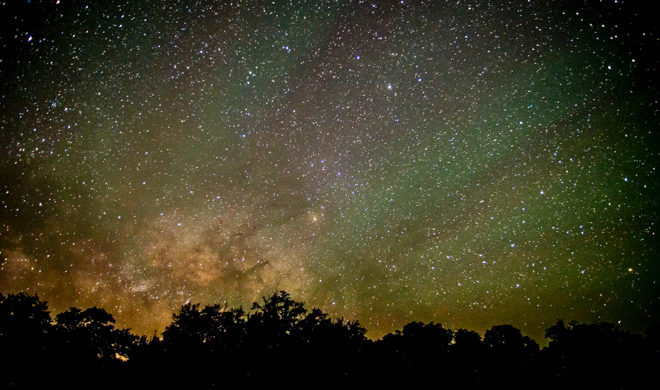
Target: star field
472	164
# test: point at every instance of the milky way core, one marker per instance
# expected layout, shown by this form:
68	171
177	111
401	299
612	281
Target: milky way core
469	163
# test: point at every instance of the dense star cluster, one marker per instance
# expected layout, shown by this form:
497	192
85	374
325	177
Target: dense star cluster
469	163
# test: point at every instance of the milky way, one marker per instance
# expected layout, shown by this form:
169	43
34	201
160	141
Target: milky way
466	163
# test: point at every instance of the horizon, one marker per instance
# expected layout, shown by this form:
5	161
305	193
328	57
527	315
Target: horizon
251	310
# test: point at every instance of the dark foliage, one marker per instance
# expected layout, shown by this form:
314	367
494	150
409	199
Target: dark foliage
279	343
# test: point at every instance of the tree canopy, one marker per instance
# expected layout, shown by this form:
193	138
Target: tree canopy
279	341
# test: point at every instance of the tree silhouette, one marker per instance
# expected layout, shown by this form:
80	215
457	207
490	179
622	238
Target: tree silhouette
271	328
280	343
91	334
511	356
328	347
22	314
88	341
508	340
653	350
415	352
596	354
277	315
204	340
25	325
467	356
467	342
214	327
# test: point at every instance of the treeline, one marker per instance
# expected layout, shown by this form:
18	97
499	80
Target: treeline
280	343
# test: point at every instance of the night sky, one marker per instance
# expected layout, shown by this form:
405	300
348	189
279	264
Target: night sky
466	163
